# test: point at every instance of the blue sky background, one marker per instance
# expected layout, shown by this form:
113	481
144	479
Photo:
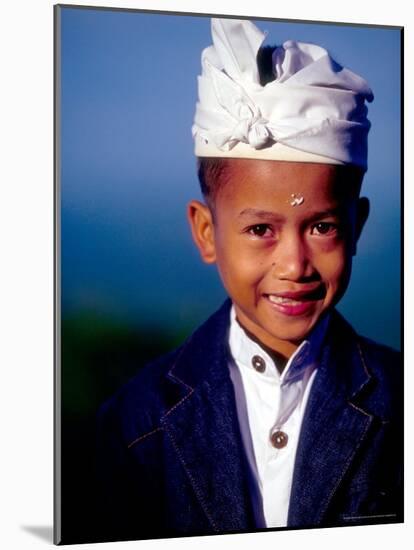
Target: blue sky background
128	91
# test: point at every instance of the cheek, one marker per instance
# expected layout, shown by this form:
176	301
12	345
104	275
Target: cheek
239	267
333	266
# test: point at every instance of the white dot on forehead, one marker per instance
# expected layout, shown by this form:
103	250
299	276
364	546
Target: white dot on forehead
296	199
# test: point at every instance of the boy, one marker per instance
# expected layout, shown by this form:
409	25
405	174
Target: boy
274	413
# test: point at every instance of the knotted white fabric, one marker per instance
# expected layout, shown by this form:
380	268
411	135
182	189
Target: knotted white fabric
314	110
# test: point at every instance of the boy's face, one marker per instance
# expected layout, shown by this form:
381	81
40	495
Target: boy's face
283	265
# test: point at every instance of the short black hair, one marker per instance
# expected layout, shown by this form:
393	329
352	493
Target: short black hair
211	176
213	173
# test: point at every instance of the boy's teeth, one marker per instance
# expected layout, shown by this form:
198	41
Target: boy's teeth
280	300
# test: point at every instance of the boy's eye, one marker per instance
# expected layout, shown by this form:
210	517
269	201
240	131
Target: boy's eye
324	228
260	230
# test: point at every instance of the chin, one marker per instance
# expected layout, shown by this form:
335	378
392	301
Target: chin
293	337
293	330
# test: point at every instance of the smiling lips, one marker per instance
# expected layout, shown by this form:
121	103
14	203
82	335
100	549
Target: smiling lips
295	303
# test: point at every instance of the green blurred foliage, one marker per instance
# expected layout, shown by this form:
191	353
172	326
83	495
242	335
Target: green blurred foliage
99	354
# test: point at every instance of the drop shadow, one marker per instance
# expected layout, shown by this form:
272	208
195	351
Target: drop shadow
44	532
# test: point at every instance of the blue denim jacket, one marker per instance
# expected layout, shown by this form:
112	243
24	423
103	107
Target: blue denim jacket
171	462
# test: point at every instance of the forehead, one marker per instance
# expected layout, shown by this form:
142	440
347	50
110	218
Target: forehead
264	183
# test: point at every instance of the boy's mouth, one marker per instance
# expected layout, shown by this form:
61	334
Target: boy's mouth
281	300
305	295
295	303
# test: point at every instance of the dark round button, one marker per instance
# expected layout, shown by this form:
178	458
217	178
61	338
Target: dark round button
279	439
258	363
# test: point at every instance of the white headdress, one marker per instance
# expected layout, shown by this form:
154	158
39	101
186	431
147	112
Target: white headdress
313	111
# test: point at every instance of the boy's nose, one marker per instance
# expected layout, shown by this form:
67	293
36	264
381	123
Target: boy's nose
290	260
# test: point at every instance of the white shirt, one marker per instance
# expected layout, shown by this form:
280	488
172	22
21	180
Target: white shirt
273	402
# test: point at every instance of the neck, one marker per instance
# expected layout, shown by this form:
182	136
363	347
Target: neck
280	356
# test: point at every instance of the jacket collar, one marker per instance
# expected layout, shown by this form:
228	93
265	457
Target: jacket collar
202	355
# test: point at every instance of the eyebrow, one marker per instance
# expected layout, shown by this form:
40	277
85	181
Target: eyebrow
262	214
266	215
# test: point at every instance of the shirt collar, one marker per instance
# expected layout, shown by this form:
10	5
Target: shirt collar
243	349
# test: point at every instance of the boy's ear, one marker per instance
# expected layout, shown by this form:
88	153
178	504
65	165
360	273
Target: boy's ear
202	229
361	217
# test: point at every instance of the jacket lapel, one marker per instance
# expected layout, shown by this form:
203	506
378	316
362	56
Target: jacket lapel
203	428
333	428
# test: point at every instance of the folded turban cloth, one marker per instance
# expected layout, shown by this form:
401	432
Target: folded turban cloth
313	111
